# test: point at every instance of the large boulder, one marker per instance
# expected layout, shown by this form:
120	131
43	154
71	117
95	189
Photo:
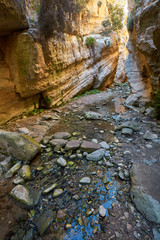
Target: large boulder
145	190
19	146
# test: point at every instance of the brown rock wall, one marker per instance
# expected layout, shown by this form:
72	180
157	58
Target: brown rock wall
147	29
58	67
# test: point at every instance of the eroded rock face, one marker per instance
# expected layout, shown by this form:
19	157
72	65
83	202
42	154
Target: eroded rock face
145	41
12	17
56	67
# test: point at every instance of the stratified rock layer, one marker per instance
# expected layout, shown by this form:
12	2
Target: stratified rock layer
143	61
37	71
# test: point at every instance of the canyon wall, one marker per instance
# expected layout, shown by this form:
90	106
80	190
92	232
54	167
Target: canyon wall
143	61
47	63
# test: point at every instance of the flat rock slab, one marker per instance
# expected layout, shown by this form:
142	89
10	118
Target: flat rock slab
145	191
96	155
129	124
93	116
73	145
90	146
44	220
58	142
62	135
13	170
20	146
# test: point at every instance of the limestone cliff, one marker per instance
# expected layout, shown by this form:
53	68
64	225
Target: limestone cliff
143	62
57	65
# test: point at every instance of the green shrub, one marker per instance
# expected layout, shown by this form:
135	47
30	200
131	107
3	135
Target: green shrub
93	91
114	20
35	111
156	104
90	42
130	23
99	4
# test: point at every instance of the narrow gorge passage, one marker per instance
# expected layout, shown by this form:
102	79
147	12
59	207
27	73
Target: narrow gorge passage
67	187
90	168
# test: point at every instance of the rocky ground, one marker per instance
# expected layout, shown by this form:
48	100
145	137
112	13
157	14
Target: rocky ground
95	177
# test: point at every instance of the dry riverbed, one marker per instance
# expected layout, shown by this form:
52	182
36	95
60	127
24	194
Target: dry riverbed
79	186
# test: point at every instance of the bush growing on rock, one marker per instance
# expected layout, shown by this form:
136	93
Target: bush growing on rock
114	20
130	23
90	42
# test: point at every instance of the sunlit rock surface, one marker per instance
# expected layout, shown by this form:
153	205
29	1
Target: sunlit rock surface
59	67
143	60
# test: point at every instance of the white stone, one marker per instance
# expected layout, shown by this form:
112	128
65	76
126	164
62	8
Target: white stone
23	130
102	211
127	153
149	146
48	189
62	162
85	180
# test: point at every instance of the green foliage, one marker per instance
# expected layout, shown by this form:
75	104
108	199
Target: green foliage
35	111
34	4
114	20
156	104
99	4
48	100
90	42
94	91
130	23
80	5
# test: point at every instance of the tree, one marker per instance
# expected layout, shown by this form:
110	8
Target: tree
114	20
